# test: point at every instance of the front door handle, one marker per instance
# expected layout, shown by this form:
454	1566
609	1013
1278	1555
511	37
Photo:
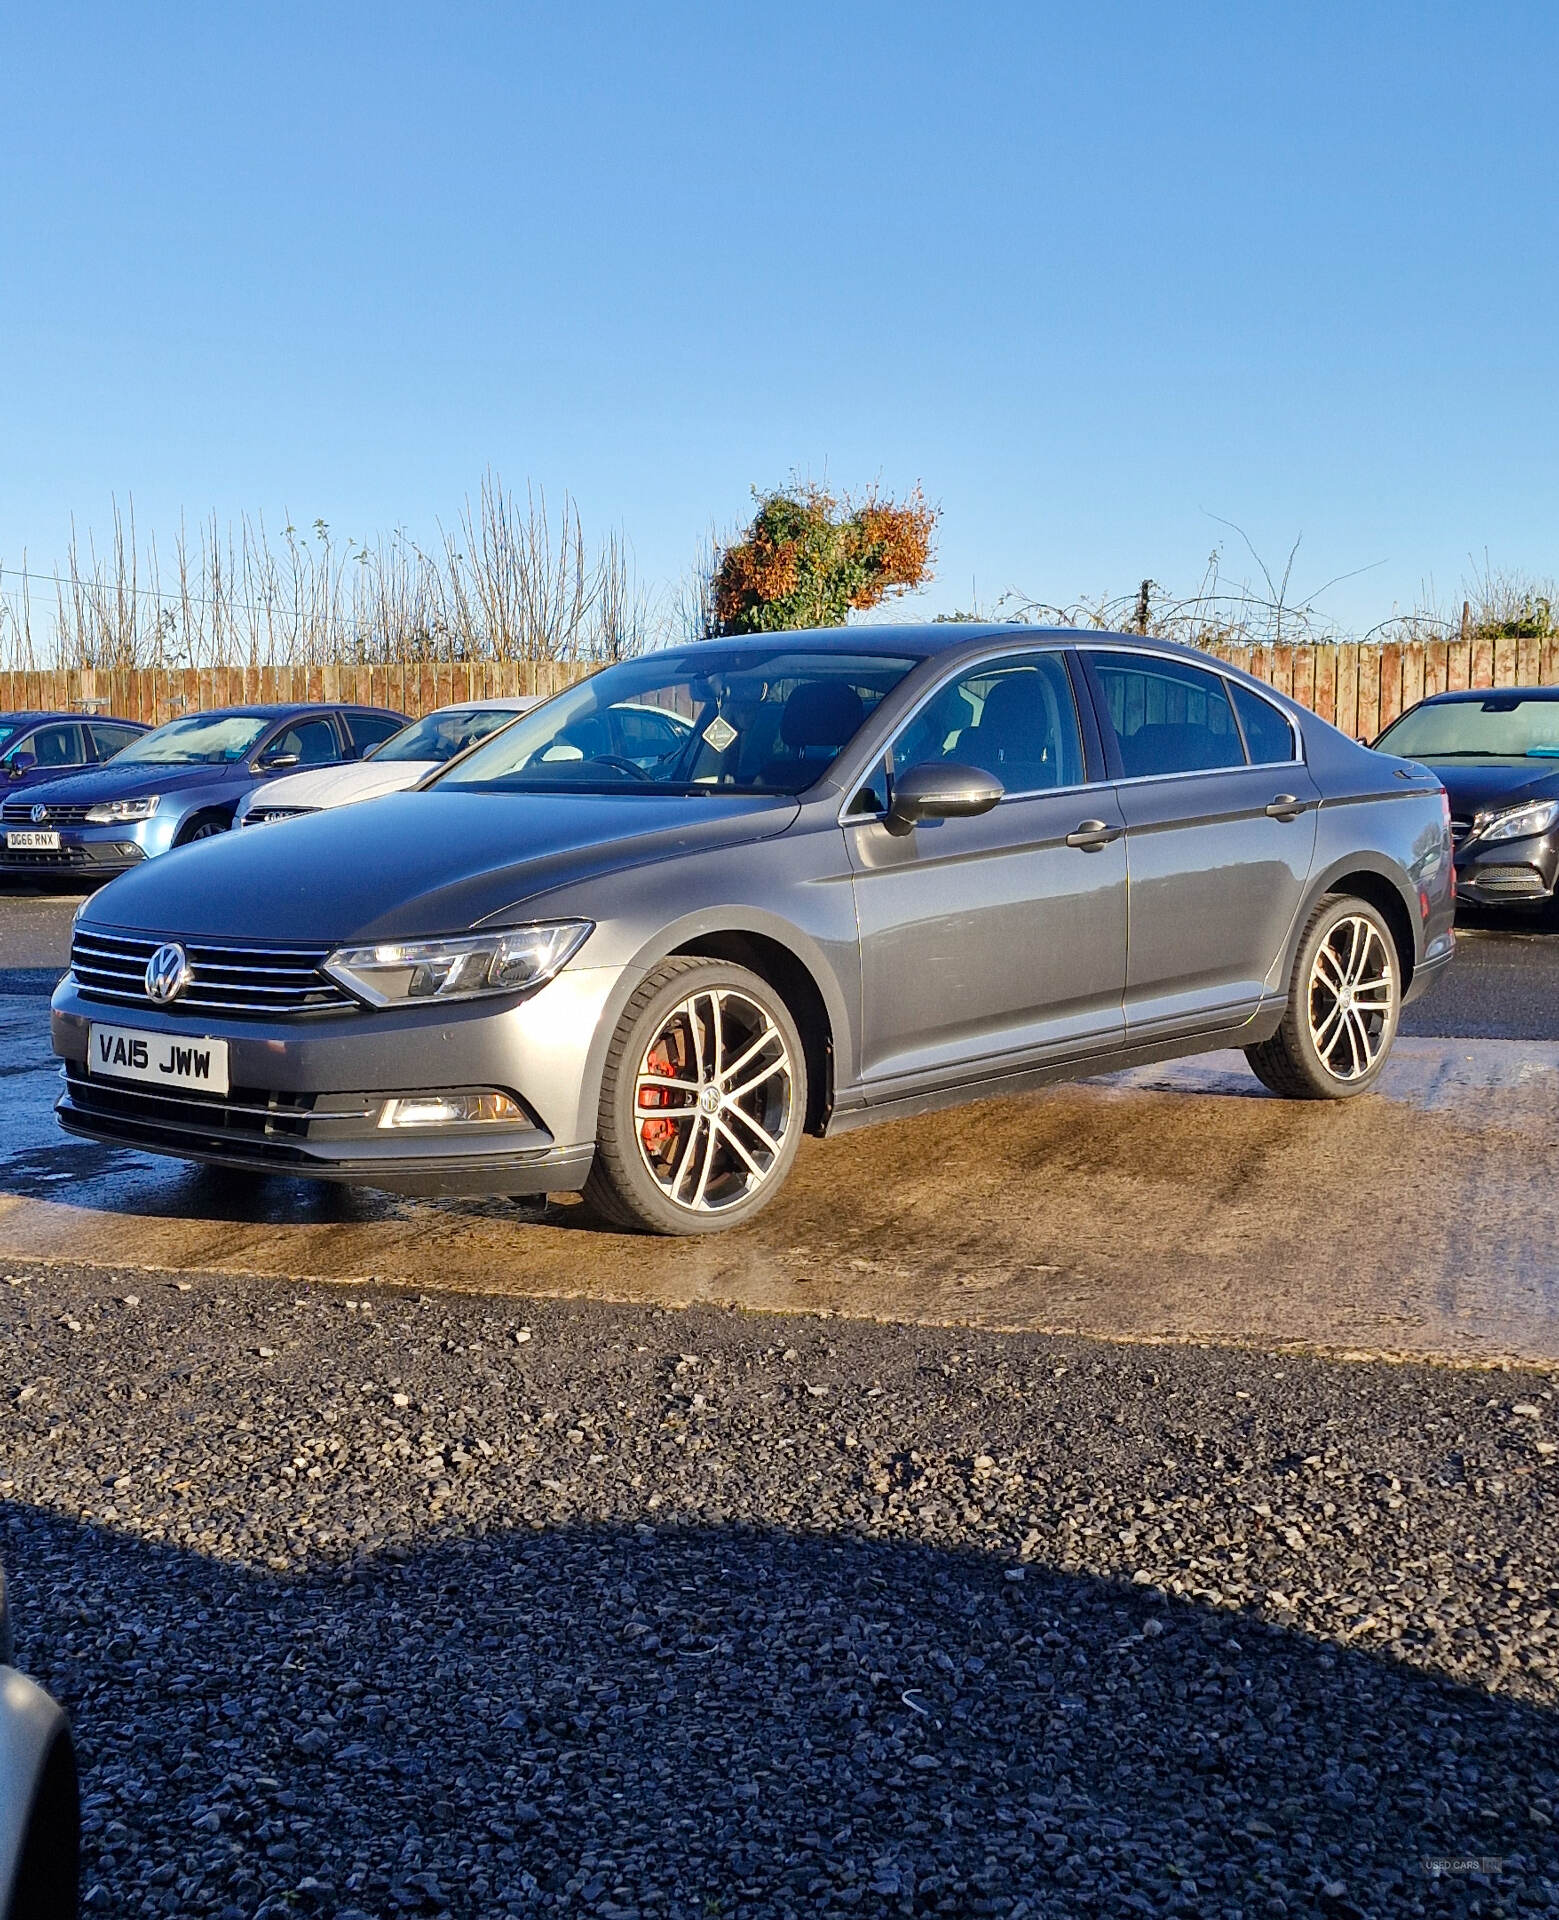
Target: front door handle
1287	806
1091	835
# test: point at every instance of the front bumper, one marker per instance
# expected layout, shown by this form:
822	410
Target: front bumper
96	851
306	1091
92	859
1506	873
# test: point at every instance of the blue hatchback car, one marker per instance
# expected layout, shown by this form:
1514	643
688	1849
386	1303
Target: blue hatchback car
178	783
35	747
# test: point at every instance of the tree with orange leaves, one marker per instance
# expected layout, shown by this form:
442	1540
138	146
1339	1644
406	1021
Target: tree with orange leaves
810	557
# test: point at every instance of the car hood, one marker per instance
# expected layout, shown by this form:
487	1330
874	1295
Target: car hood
335	786
111	782
412	864
1477	784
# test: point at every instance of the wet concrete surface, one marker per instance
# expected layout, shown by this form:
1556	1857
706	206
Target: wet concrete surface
1169	1203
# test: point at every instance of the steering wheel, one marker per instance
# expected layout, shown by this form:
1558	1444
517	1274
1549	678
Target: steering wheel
621	765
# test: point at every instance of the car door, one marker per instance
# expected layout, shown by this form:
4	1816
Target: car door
1219	844
991	942
56	748
309	741
108	739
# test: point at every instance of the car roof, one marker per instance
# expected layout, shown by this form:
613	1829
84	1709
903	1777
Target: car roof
933	637
283	710
503	704
1461	696
41	716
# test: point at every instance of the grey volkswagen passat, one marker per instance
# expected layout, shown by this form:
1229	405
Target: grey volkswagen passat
877	870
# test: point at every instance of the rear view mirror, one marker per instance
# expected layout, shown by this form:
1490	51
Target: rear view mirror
940	790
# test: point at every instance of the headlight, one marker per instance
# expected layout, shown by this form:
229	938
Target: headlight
1520	823
505	961
141	809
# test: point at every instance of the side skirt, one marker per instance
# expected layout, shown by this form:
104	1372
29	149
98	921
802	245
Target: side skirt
1028	1079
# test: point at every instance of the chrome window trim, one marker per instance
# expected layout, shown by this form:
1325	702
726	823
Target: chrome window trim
1218	672
972	664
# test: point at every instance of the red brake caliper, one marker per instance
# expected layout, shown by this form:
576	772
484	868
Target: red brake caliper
658	1135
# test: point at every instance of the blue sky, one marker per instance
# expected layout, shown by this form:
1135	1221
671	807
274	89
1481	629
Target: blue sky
1092	274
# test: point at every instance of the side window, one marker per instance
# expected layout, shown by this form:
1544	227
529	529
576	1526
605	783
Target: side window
1014	718
107	741
371	729
56	746
1267	731
1167	718
312	741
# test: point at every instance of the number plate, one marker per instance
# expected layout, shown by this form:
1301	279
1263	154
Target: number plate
157	1059
32	842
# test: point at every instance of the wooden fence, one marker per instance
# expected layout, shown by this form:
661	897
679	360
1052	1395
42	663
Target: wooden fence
157	696
1358	687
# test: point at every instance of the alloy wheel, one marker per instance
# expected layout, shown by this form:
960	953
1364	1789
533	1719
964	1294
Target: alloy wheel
1351	998
714	1100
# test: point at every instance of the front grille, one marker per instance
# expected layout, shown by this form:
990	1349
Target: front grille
1512	880
265	815
250	1122
248	981
18	813
97	853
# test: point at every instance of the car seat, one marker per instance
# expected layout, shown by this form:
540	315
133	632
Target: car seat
820	717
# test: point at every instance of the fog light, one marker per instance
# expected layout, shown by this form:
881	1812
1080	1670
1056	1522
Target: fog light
449	1109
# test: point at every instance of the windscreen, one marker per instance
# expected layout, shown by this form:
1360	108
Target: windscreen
747	720
204	739
1500	727
442	735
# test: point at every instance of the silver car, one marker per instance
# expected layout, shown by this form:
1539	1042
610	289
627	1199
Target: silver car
868	872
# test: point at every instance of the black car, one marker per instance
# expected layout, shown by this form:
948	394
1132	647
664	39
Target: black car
1496	750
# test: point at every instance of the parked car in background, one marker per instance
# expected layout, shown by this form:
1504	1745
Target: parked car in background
35	747
40	1811
404	759
877	870
179	783
1496	751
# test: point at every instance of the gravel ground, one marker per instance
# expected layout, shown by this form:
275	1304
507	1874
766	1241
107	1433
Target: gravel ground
371	1604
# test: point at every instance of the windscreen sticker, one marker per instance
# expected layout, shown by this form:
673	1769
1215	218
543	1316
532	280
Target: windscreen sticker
719	733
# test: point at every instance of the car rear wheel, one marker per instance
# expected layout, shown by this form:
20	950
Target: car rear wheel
1343	1003
703	1101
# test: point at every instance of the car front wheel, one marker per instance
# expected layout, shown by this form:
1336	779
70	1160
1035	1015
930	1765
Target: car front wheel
1344	999
703	1101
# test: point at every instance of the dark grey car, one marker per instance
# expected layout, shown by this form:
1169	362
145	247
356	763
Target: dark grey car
877	870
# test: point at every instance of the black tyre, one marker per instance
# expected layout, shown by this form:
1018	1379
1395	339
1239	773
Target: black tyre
703	1101
205	826
1344	999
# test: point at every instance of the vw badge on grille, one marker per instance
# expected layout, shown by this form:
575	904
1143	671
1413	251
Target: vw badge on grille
39	812
167	972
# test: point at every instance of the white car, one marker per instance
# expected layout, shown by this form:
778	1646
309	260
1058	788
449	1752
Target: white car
40	1814
404	759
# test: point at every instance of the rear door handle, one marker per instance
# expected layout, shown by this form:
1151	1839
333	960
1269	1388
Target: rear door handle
1091	835
1287	806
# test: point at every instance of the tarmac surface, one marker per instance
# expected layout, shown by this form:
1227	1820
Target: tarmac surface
1171	1203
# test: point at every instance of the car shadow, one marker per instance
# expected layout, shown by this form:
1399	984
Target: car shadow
724	1720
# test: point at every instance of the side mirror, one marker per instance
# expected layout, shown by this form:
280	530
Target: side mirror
278	762
940	790
19	763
